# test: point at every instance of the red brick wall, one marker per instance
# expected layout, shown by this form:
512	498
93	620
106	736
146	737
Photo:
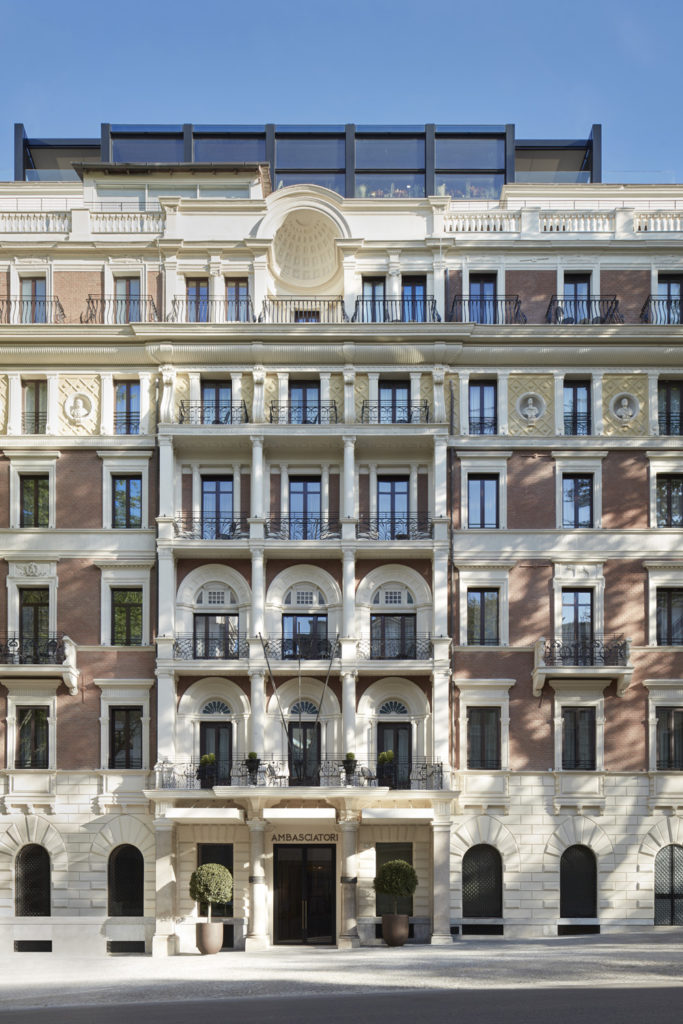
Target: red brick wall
78	600
334	495
626	599
625	491
631	288
78	486
535	289
531	601
186	486
155	290
531	491
453	288
72	289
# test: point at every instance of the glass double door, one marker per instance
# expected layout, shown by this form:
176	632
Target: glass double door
304	890
396	737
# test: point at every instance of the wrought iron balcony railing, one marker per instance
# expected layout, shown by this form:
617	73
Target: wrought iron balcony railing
506	310
196	526
308	648
299	527
211	311
598	650
31	311
282	772
403	311
657	310
577	424
196	647
207	413
322	309
395	412
126	422
599	309
670	423
483	425
303	412
417	648
34	422
396	527
120	311
43	650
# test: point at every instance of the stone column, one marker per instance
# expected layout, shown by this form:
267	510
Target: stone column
441	876
52	418
166	716
503	381
440	477
596	401
258	596
348	932
145	410
349	395
166	477
439	399
15	405
257	477
349	478
559	403
164	940
167	592
373	397
257	935
349	711
257	721
652	401
464	381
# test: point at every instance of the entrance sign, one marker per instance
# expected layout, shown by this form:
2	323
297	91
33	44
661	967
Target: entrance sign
305	837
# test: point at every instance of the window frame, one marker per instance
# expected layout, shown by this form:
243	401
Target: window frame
39	693
483	464
480	383
574	500
571	384
128	478
665	694
664	384
675	752
660	576
118	575
669	464
572	463
129	414
123	693
578	711
124	463
18	743
31	463
473	710
484	577
129	636
584	575
485	593
484	693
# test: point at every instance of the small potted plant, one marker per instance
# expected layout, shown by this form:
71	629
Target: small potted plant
210	884
386	768
206	773
397	879
252	765
349	767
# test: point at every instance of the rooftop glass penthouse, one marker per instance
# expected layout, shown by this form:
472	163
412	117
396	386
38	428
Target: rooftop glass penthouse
365	161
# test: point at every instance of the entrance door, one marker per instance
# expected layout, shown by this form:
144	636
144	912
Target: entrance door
394	736
304	910
304	753
216	738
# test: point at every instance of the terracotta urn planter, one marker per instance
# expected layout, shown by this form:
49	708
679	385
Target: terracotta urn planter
209	936
395	929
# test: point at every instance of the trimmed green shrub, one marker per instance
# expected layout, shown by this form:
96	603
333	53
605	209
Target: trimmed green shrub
211	883
396	878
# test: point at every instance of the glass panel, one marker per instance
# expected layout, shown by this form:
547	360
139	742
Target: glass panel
293	153
469	186
127	301
230	149
335	182
385	154
149	149
466	154
217	508
390	186
304	508
127	617
577	620
304	753
483	738
197	294
304	636
482	882
669	501
393	507
32	724
125	738
127	502
394	402
304	403
482	502
577	500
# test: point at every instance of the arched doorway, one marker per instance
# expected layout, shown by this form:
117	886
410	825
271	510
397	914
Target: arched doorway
126	881
32	891
669	885
482	888
578	882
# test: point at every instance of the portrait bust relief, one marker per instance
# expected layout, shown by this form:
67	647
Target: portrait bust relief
77	408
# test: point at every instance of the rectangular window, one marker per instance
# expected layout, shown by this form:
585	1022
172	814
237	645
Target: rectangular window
386	154
218	521
216	636
127	300
197	300
35	501
237	307
482	617
34	625
483	739
482	299
216	401
394	401
125	737
33	300
393	636
669	500
669	400
669	617
384	852
373	307
304	402
127	407
577	408
577	618
576	299
482	501
393	509
126	502
577	500
483	407
669	299
304	507
304	636
670	739
32	737
301	153
578	739
34	395
414	300
126	617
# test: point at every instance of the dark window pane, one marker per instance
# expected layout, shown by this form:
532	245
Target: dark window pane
469	186
577	500
577	407
670	739
466	154
216	853
229	149
482	882
390	186
578	739
669	616
326	179
35	501
483	738
669	500
126	502
386	154
32	737
126	608
670	395
125	737
32	892
482	617
150	149
669	885
578	883
293	153
126	878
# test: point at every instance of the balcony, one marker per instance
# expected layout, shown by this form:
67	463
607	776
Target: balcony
480	425
227	647
300	527
577	424
416	648
401	311
303	413
45	650
308	648
602	657
211	311
323	309
599	309
120	311
34	422
276	772
506	310
396	527
207	414
31	311
195	526
388	412
661	311
126	422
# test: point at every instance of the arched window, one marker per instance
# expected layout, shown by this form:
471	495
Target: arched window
304	624
216	707
215	737
578	882
482	882
126	880
392	707
304	744
393	623
216	623
32	893
669	885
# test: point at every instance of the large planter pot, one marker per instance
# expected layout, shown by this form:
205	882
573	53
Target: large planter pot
395	929
209	936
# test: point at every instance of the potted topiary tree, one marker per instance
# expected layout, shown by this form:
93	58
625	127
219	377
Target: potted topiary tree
252	765
386	769
349	763
210	883
206	773
397	879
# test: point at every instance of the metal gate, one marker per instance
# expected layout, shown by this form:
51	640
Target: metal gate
482	882
578	883
669	885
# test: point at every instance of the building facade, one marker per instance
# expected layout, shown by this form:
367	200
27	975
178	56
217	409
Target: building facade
338	526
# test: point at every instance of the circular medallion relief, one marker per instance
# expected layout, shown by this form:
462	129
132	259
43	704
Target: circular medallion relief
530	407
304	250
624	407
77	408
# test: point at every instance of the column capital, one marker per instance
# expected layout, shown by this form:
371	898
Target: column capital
349	441
259	374
349	375
256	439
256	824
349	821
257	676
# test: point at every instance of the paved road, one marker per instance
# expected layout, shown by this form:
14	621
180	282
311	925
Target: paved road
492	1006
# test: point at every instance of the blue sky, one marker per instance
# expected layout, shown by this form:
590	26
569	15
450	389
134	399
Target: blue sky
552	69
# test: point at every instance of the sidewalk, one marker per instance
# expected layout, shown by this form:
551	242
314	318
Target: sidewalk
42	980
